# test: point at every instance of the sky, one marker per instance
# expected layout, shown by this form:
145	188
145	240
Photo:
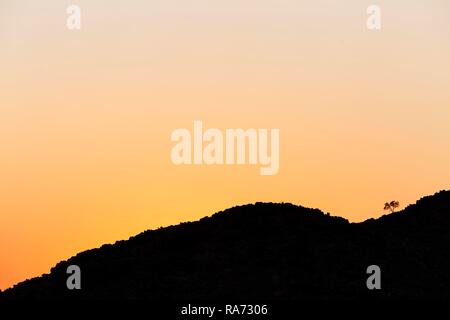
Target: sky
86	115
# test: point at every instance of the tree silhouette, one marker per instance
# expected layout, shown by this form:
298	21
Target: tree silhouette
391	205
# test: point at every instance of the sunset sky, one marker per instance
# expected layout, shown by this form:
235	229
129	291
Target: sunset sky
86	115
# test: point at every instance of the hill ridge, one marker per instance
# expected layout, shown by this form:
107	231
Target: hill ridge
268	250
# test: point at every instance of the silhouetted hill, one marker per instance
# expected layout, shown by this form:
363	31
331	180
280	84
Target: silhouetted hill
267	251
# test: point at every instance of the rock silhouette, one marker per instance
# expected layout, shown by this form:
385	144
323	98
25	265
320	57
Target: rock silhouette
267	251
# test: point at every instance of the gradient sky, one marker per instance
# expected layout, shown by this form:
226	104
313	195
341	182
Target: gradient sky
86	116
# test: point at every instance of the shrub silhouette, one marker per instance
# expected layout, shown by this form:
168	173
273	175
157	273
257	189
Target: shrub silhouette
391	206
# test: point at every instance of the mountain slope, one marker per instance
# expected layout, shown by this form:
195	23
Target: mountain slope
267	251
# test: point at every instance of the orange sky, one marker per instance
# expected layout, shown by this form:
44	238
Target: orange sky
86	116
